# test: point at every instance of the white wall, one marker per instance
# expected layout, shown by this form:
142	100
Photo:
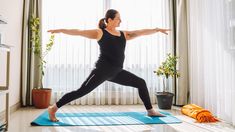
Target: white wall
12	11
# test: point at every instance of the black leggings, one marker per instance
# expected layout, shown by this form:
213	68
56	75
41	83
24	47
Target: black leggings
113	74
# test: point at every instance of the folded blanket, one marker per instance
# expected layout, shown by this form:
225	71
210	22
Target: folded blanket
198	113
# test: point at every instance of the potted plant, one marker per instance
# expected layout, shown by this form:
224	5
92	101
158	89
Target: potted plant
41	96
166	70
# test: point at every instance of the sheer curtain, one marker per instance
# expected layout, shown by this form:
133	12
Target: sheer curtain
73	57
212	58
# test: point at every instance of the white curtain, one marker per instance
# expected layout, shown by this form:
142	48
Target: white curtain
212	57
73	57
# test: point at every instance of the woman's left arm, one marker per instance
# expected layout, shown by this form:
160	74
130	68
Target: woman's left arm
137	33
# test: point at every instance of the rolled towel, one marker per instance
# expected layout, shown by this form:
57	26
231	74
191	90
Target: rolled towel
198	113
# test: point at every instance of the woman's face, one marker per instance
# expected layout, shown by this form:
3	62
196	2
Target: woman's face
116	21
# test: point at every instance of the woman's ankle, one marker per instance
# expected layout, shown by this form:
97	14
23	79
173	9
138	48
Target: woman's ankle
54	108
150	110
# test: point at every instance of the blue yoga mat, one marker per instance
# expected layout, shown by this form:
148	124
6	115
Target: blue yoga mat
103	119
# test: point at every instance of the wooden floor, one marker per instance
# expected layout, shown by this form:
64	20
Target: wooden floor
20	121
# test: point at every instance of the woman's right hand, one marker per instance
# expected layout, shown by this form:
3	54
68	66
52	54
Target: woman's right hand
54	31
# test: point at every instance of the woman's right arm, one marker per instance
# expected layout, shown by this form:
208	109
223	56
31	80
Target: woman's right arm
91	34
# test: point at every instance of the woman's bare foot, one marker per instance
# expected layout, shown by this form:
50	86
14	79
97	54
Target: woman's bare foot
152	112
52	110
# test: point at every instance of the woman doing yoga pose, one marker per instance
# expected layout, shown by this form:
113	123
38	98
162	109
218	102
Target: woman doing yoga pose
109	66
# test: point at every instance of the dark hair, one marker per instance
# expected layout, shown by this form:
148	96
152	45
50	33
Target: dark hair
111	13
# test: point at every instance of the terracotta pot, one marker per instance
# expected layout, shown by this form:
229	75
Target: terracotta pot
41	97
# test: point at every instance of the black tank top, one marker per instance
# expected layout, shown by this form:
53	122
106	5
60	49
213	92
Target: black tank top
112	49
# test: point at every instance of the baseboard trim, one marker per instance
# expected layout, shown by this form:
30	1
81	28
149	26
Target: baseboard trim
13	108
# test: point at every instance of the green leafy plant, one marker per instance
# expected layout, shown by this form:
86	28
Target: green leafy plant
37	46
167	69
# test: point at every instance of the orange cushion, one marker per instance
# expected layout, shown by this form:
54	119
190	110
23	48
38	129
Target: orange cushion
198	113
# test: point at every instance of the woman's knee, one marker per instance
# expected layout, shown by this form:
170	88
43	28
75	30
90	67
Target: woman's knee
141	83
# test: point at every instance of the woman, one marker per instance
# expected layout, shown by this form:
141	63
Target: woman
110	63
